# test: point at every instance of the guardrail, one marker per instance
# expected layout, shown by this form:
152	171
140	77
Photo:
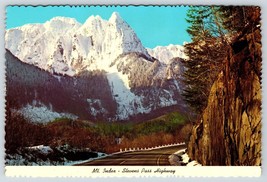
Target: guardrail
148	148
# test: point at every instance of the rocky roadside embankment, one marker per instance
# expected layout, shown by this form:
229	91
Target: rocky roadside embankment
229	131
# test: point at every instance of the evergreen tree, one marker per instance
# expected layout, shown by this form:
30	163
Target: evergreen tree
206	53
211	30
233	18
197	17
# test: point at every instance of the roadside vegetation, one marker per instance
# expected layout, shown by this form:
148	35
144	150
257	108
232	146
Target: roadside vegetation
98	136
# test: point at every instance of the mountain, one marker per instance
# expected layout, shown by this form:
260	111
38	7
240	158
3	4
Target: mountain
118	78
65	46
166	53
41	96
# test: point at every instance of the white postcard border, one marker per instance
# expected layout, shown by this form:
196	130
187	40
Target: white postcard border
132	171
67	171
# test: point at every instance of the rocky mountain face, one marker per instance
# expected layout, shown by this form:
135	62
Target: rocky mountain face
229	132
41	96
65	46
100	65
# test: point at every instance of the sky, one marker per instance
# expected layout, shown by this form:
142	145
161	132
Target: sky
155	26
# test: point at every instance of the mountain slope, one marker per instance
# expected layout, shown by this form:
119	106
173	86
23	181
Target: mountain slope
87	95
132	80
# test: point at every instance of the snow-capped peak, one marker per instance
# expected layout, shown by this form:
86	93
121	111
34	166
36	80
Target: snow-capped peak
116	18
61	23
93	22
67	20
166	53
65	46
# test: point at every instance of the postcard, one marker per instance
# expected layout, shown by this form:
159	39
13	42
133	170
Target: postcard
103	91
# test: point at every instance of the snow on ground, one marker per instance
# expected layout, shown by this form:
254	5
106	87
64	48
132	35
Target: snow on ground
185	158
46	156
42	149
42	114
181	158
193	163
19	160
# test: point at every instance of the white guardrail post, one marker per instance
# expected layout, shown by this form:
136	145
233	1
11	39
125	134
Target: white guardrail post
150	148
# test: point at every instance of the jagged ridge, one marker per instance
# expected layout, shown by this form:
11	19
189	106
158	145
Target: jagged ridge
139	82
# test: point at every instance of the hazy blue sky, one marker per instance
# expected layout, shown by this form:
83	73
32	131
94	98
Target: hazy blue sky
153	25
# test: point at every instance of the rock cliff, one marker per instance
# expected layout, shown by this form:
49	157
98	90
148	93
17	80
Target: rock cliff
229	130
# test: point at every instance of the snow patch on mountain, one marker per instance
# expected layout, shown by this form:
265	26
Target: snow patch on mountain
167	53
42	114
167	99
128	102
95	107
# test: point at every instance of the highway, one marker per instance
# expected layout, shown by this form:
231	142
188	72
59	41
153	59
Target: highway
155	157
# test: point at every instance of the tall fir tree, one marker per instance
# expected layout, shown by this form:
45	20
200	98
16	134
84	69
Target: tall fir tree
211	29
196	17
233	18
205	52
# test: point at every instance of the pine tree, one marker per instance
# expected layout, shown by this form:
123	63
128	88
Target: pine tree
210	29
233	18
196	17
236	18
206	53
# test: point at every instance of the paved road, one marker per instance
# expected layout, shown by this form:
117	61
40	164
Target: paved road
155	157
